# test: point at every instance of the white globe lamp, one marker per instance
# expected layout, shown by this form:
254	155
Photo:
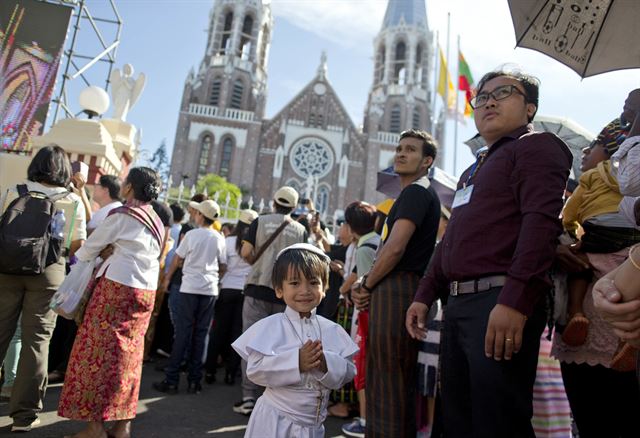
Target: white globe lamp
94	101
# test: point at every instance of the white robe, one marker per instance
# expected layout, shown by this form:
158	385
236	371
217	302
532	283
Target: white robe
289	406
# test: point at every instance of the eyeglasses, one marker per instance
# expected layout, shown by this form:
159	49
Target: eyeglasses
499	93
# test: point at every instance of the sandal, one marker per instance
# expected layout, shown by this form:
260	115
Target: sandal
575	333
625	358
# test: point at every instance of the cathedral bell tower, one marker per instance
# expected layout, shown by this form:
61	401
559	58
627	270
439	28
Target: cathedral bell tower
400	95
223	102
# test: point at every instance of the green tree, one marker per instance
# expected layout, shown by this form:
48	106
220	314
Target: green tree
215	184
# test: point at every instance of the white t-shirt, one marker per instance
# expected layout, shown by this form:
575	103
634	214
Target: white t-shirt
237	268
99	216
203	249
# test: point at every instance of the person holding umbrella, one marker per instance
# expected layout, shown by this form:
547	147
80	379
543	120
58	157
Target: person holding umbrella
492	265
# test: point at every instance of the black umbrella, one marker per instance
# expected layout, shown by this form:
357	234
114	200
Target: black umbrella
388	184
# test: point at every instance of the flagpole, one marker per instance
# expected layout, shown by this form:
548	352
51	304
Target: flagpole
436	73
455	113
446	93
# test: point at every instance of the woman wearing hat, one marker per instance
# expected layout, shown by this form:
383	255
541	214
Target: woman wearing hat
228	309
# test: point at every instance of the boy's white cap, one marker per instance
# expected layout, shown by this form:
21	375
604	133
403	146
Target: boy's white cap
286	196
208	208
247	216
304	247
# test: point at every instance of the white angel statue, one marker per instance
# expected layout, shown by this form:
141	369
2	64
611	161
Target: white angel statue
125	90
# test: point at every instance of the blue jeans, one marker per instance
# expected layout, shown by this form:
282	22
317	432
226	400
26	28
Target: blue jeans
192	315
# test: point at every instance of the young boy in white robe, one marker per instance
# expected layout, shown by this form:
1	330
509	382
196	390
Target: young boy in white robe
297	355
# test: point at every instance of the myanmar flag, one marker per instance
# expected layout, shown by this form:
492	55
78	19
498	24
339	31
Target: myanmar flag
465	82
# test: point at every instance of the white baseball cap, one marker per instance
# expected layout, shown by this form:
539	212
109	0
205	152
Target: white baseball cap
208	208
286	196
247	216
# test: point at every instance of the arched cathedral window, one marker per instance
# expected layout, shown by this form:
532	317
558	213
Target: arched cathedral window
214	97
225	161
264	46
245	38
237	94
399	71
395	119
225	42
416	119
205	150
380	61
418	72
322	199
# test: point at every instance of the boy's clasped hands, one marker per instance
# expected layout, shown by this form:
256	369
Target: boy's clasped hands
312	357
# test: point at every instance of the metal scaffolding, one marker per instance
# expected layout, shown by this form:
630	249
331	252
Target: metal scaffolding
86	58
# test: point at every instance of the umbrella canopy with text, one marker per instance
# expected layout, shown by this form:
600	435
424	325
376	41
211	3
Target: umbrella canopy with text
588	36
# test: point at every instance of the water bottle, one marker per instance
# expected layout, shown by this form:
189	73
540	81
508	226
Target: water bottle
57	225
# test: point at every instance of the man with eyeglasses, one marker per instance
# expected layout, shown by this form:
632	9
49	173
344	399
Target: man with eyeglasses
492	265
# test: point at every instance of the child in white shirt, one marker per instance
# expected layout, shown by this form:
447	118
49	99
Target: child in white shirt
297	355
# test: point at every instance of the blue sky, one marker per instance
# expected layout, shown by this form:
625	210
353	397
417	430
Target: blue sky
165	38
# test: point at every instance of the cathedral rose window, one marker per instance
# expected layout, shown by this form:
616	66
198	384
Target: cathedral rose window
311	156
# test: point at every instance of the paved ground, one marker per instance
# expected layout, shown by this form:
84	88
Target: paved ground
208	414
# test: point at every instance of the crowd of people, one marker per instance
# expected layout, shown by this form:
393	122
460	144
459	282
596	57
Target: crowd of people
426	320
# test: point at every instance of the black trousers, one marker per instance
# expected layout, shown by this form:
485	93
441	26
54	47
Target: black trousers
605	403
61	344
227	328
482	397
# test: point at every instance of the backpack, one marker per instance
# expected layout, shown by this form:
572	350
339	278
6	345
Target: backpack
26	243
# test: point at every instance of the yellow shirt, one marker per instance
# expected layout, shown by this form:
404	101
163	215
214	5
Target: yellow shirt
598	193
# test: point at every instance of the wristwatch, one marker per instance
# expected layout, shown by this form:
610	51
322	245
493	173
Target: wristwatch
363	284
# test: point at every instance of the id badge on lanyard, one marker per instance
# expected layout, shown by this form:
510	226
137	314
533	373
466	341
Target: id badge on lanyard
463	196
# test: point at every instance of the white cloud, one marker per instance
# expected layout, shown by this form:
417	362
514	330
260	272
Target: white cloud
349	23
487	41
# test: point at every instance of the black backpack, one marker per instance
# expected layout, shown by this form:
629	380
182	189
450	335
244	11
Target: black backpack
26	243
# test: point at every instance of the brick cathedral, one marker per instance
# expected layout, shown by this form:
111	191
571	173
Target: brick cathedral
222	127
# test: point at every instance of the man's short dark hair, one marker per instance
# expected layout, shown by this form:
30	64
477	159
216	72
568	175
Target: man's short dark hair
178	212
207	222
361	217
163	211
199	197
530	83
111	183
300	262
429	144
281	209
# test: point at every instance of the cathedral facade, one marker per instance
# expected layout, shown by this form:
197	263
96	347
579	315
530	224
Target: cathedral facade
311	144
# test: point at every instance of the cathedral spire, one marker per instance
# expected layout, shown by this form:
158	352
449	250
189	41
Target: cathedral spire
322	68
409	12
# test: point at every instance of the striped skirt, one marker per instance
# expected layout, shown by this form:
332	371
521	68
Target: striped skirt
551	411
344	318
391	360
103	376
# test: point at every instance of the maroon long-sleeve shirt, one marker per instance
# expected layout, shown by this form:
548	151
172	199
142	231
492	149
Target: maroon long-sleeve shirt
511	223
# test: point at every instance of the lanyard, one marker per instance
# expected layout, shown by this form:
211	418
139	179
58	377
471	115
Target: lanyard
480	156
